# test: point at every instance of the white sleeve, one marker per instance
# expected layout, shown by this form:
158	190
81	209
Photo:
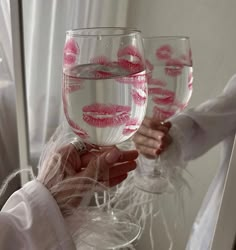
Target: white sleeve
203	127
31	220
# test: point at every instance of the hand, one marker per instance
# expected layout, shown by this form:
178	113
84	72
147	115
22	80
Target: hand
70	175
153	137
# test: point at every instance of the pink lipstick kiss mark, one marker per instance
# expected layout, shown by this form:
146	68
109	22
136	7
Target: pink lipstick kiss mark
136	79
139	95
72	88
162	114
131	126
71	51
157	82
102	74
132	67
102	60
73	84
164	52
174	67
162	96
133	64
129	51
103	115
71	46
77	129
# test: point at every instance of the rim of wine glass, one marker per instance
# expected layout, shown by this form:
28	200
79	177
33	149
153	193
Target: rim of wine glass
127	31
167	37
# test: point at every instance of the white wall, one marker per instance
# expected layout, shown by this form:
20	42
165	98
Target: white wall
210	24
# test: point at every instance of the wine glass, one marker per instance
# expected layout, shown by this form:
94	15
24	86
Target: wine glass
169	62
104	97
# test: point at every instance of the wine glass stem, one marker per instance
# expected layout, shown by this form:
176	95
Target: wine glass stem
158	170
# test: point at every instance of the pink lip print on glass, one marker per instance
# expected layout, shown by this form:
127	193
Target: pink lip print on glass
164	52
102	73
71	50
162	114
139	95
103	115
77	129
156	82
139	87
162	96
174	67
136	79
73	84
131	126
129	51
130	58
103	60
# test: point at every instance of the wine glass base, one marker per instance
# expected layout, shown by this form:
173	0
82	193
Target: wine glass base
109	229
154	184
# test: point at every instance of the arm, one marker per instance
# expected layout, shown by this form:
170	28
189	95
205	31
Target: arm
206	125
31	219
193	132
34	216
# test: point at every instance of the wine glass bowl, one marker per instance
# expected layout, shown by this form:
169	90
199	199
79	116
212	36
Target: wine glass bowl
104	90
170	78
169	60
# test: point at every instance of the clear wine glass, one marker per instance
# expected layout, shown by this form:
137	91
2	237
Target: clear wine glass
169	62
104	97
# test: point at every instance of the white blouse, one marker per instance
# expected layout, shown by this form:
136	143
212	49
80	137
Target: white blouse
202	128
31	220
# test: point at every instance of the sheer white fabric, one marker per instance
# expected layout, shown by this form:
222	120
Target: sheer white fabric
208	124
32	220
9	160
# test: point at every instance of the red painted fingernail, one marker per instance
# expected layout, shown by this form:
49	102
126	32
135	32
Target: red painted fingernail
158	151
167	124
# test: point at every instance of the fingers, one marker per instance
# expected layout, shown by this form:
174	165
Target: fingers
130	155
147	151
123	155
70	160
121	169
117	180
111	164
150	133
152	137
141	140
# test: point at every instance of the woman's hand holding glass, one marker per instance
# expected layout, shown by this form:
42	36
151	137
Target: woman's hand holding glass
152	138
68	174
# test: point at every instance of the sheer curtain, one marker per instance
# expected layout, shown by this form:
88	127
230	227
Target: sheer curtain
9	159
45	23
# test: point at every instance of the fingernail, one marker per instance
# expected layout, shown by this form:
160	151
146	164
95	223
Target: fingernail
112	156
168	124
158	151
